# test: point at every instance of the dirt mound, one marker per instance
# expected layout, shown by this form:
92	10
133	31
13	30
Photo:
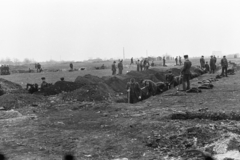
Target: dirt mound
196	70
11	101
88	79
91	92
10	87
116	84
61	86
148	74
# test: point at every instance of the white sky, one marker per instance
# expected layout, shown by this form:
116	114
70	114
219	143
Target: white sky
81	29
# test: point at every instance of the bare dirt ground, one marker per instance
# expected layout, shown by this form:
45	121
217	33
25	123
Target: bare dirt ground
51	127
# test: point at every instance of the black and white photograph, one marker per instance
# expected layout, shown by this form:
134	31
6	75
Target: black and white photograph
119	80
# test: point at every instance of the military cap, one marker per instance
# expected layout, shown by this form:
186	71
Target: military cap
43	78
185	56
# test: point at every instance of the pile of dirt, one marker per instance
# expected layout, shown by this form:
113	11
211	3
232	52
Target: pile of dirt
11	101
10	87
91	92
88	79
116	84
61	86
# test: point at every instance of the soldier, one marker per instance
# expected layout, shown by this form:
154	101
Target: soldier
141	65
152	64
224	64
146	64
138	65
202	62
164	61
207	68
114	68
170	79
131	61
176	60
180	60
133	91
186	73
215	61
44	84
212	65
120	67
151	87
71	66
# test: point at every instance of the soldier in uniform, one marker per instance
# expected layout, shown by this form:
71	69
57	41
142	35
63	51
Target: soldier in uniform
114	68
186	73
44	84
224	64
212	65
170	79
180	60
176	60
134	91
131	61
152	88
207	67
120	67
164	61
138	65
71	66
202	62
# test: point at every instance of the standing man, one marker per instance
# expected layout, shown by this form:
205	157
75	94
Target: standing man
131	61
202	62
176	60
224	64
138	65
71	66
141	65
133	91
120	68
180	60
114	68
164	61
186	73
215	61
212	65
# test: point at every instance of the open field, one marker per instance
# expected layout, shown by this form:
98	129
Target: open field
53	77
50	127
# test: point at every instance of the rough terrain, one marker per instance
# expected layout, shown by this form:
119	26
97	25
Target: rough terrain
48	127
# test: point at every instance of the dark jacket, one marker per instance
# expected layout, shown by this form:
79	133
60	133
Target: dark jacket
224	62
212	62
186	67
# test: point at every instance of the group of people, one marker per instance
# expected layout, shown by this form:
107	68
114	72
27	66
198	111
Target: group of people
35	88
38	67
135	91
178	60
5	70
143	64
212	67
119	66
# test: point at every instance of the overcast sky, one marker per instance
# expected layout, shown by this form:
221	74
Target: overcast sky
81	29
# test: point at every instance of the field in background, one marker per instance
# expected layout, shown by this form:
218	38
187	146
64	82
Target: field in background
52	77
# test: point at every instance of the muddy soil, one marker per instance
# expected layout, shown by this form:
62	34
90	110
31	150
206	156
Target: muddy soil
107	130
